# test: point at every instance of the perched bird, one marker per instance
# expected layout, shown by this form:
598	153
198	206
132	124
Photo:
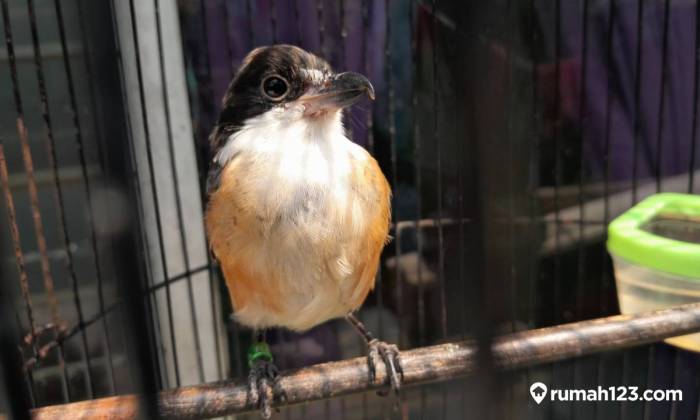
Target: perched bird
297	214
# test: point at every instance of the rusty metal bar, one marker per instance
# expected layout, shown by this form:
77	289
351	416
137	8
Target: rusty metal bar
60	203
8	352
16	241
426	364
34	206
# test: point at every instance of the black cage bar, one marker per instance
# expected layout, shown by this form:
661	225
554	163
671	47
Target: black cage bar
511	132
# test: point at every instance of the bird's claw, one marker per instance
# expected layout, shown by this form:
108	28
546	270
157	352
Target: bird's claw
263	386
390	356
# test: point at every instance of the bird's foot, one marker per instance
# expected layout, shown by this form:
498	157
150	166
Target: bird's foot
390	356
262	379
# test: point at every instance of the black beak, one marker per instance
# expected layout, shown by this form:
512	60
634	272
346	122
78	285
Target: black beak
341	91
351	86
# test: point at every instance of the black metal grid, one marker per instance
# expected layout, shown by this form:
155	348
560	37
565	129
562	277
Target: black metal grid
450	159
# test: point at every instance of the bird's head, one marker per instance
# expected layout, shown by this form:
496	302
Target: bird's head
289	84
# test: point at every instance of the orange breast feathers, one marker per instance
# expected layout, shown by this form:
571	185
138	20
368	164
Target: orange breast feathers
297	255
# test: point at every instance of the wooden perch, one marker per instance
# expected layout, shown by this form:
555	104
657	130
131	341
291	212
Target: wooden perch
439	362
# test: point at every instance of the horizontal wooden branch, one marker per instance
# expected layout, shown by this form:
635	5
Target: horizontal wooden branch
434	363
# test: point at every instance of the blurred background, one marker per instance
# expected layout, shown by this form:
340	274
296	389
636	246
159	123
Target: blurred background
511	132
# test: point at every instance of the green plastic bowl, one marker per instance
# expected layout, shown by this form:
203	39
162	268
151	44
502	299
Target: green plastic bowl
637	235
655	247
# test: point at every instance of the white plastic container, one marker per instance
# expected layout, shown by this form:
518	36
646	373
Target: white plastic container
640	289
655	247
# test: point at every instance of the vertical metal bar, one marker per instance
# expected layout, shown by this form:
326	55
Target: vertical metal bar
366	32
533	256
342	62
321	29
417	152
17	244
417	159
46	269
238	357
379	289
145	263
343	34
178	201
395	181
227	26
581	254
694	129
364	406
143	237
216	314
511	252
342	408
282	340
298	26
607	144
650	379
100	139
438	144
207	61
213	274
635	164
461	249
697	410
581	270
673	415
86	182
461	233
622	414
348	126
637	100
154	190
557	307
534	165
251	31
557	162
11	378
662	97
90	84
34	202
9	355
140	344
391	122
87	51
605	268
273	21
437	138
507	87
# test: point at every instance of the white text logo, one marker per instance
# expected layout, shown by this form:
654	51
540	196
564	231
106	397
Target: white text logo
539	392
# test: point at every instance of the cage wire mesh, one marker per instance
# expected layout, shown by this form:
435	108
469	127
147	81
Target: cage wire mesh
511	133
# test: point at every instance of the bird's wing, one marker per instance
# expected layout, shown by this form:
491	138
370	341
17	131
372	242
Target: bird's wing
370	242
213	177
218	138
231	227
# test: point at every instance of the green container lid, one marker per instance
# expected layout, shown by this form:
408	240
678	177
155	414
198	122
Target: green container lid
630	238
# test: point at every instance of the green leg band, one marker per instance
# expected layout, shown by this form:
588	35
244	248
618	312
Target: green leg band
259	351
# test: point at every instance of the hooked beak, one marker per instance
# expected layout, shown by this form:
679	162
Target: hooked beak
341	91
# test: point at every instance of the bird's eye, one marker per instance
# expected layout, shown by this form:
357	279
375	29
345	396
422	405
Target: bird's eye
275	87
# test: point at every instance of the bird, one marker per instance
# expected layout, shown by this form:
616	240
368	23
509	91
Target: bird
297	214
